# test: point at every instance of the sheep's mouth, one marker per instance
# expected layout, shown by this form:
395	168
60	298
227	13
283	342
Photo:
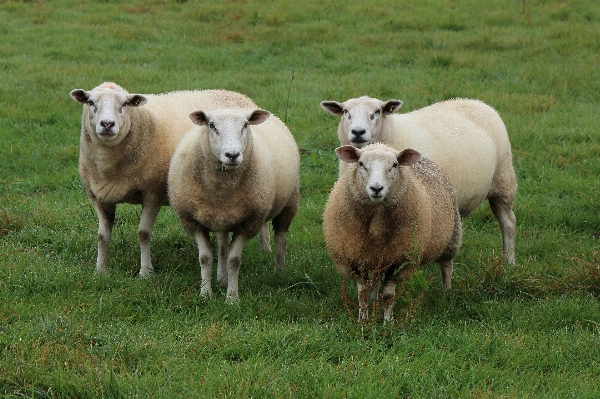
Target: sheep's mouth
106	134
230	165
376	197
359	143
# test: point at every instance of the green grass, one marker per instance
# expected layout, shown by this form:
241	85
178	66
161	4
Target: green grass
528	330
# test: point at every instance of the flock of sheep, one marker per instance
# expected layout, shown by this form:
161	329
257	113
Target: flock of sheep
226	166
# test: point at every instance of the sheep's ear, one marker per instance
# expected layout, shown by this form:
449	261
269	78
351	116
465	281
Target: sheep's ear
199	118
135	100
81	96
347	153
408	157
333	107
391	106
257	117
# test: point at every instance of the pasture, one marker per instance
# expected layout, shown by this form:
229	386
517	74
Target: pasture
526	330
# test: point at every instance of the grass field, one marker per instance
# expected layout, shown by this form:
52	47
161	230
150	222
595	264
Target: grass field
531	330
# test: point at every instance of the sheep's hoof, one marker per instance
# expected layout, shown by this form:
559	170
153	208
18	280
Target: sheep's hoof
231	300
144	273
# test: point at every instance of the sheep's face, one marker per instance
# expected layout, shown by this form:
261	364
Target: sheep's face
229	133
362	118
378	169
108	116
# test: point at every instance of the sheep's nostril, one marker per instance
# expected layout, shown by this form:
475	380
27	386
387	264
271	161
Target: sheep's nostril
232	156
107	124
376	189
358	132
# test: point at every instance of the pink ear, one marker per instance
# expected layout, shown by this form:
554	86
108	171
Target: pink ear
408	157
199	118
333	107
258	116
347	153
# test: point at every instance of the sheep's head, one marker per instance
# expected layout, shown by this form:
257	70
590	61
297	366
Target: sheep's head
362	118
378	167
108	115
228	132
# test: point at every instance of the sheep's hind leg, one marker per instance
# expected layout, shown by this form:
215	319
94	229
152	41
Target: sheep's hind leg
281	225
147	220
206	260
223	245
106	221
507	221
265	239
446	267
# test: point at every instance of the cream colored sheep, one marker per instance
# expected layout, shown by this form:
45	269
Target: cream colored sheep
234	172
127	141
390	212
467	138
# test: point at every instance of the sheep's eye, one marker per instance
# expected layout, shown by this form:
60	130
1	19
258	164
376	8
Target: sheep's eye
376	113
213	127
362	165
395	165
347	114
122	108
92	105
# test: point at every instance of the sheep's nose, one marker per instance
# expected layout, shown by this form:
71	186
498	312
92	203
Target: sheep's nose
376	188
232	156
107	124
358	132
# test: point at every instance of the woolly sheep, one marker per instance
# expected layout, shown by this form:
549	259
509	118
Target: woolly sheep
127	141
390	212
234	172
467	138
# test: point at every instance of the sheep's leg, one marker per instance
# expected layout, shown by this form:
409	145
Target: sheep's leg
507	221
281	225
206	260
446	267
223	245
280	240
265	241
147	220
106	221
363	289
388	298
234	261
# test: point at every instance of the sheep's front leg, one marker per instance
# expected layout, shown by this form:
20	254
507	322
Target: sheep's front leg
388	298
147	220
106	221
234	261
364	289
206	260
223	245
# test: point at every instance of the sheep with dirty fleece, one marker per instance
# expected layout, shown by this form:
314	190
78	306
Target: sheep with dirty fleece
232	173
390	212
127	141
467	138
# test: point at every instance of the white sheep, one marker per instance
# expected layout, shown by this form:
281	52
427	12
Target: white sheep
127	141
390	212
234	172
467	138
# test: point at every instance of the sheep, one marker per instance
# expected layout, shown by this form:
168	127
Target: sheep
233	173
390	212
467	138
126	144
